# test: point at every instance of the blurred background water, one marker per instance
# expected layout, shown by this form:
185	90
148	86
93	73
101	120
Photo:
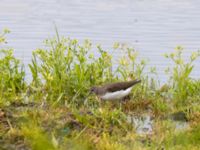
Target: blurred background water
151	27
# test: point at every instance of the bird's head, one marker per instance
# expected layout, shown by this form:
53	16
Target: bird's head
94	90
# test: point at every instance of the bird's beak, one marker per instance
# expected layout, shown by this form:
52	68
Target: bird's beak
90	92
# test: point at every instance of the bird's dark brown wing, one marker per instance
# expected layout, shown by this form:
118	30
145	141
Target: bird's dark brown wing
113	87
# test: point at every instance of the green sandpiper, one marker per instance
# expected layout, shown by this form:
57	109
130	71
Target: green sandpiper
114	91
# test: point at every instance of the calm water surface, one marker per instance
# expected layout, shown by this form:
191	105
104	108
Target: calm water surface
151	27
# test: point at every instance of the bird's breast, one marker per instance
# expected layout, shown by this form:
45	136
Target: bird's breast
116	95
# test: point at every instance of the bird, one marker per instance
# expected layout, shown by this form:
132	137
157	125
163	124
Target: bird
114	91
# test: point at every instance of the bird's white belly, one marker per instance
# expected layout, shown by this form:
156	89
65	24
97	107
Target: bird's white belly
116	95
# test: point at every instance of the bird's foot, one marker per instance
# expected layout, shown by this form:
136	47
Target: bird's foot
126	98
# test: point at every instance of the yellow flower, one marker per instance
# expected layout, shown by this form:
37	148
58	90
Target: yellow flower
91	56
172	55
194	56
123	62
6	30
179	48
179	61
49	77
116	45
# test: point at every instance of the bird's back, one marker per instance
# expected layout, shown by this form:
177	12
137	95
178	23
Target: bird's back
113	87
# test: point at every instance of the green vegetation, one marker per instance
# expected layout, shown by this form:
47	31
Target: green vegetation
55	110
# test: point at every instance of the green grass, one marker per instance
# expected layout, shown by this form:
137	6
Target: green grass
55	110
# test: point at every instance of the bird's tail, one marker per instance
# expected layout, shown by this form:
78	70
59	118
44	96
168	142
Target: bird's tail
135	81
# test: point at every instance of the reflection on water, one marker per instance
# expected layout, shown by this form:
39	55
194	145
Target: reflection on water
152	27
181	125
144	123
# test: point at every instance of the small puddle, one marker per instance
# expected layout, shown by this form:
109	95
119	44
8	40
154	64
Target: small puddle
180	120
181	125
144	124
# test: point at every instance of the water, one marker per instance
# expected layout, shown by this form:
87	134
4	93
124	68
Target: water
151	27
144	124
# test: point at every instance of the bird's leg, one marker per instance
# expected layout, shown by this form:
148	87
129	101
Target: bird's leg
126	98
120	105
100	101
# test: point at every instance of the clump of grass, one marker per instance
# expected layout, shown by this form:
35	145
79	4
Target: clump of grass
187	139
12	74
68	71
131	67
37	139
182	83
2	35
